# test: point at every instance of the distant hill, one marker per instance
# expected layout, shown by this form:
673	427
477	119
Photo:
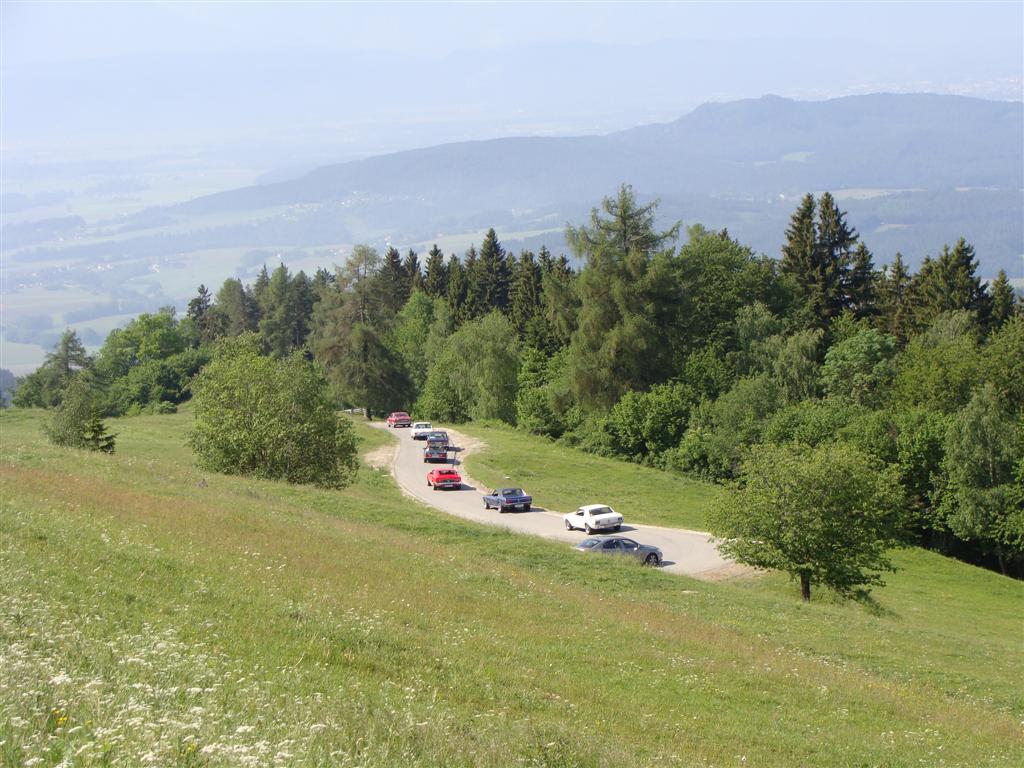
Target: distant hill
752	153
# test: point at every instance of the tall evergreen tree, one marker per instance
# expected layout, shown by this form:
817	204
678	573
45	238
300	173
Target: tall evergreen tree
862	283
895	300
950	282
524	303
276	305
1004	300
237	307
435	282
457	290
411	270
394	282
492	275
629	304
208	323
472	306
68	357
259	290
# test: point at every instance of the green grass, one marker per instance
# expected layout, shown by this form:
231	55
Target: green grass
151	612
563	478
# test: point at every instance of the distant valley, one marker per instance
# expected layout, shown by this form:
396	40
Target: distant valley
913	171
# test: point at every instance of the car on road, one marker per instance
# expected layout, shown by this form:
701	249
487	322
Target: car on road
620	545
444	478
504	499
435	452
420	430
438	436
593	517
399	419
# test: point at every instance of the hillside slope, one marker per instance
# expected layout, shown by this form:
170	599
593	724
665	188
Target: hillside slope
155	612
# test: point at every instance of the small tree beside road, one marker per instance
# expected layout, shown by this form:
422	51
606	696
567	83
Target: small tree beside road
825	515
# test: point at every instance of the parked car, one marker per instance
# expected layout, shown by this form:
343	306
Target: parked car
399	419
593	517
420	430
438	436
504	499
435	452
620	545
444	478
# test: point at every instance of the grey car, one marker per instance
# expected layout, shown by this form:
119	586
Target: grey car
620	545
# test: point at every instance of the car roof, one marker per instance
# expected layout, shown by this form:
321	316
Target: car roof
592	507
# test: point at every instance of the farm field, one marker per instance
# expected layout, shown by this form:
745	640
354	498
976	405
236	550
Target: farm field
153	613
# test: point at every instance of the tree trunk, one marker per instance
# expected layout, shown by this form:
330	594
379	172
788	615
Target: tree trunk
805	587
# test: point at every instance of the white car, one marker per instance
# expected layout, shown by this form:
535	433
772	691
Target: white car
593	517
420	430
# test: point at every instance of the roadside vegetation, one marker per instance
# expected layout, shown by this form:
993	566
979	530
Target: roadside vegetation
156	613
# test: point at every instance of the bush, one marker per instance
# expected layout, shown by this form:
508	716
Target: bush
76	422
270	418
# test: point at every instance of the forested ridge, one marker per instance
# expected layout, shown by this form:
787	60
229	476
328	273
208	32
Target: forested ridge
681	356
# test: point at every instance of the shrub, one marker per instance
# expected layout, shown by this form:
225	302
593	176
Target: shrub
269	417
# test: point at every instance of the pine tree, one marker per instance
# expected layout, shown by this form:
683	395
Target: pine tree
393	280
237	307
895	300
862	283
413	275
68	357
471	305
300	308
1004	300
524	303
208	323
626	228
492	275
259	290
96	436
435	283
949	283
275	326
457	290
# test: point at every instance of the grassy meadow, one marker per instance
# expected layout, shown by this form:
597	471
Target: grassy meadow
564	478
155	614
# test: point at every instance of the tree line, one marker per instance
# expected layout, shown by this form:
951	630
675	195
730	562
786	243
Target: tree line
695	357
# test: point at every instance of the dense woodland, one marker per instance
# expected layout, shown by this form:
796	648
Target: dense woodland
684	357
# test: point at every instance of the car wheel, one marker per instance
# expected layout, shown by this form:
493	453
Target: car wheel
651	560
501	509
526	507
618	528
435	487
568	525
486	505
428	483
588	529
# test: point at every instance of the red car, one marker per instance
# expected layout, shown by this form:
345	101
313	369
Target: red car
399	419
444	478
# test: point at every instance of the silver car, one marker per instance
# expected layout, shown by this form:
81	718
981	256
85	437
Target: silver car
620	545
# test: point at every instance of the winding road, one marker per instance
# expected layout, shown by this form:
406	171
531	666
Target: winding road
687	552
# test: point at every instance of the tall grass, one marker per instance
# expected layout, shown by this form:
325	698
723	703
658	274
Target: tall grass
154	614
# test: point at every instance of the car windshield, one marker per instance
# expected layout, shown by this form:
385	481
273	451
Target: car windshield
601	511
512	492
589	543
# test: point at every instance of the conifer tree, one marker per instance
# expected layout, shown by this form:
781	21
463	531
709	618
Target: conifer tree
1004	300
524	303
393	280
276	304
435	282
413	275
457	290
492	275
861	283
237	308
259	290
471	304
950	282
895	300
96	436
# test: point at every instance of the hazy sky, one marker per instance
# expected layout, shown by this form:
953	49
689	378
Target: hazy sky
38	31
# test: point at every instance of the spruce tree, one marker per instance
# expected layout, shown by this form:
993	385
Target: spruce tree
862	283
237	307
435	282
393	280
413	275
275	327
1004	300
950	282
524	303
895	300
259	290
96	436
492	275
471	305
457	290
626	228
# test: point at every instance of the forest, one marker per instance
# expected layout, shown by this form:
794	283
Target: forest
684	351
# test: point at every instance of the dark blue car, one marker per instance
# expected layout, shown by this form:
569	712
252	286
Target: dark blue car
505	499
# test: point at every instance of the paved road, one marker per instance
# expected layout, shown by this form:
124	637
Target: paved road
689	552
